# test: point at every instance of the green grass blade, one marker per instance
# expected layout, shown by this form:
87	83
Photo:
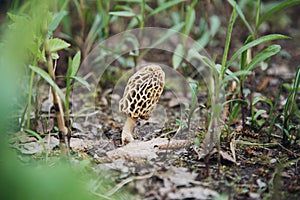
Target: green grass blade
279	7
95	30
190	21
190	18
130	1
81	81
243	62
240	101
263	55
33	133
291	98
234	75
122	14
171	31
297	80
258	113
178	55
258	6
69	71
260	40
165	6
241	14
261	99
228	39
143	5
47	78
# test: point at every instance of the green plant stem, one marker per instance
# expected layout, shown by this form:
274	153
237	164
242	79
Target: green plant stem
228	38
29	99
68	89
30	94
67	107
143	14
257	17
63	130
104	9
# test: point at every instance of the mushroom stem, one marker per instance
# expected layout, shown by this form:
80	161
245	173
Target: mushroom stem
127	133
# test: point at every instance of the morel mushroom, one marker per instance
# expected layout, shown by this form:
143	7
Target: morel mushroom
140	96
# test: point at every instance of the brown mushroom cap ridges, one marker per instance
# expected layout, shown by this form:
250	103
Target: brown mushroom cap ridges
141	94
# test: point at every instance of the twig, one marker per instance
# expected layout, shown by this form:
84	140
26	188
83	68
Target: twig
128	180
72	115
264	145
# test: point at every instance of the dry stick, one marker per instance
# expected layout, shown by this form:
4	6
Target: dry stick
128	180
63	130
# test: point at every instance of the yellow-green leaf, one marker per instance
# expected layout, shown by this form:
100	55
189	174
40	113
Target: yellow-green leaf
57	44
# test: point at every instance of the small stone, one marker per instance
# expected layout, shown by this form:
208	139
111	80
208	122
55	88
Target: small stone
261	184
253	195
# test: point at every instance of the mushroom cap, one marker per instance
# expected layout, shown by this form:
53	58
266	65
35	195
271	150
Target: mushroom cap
142	92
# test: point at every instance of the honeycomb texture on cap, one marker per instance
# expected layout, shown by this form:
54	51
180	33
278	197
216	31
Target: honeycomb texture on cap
142	92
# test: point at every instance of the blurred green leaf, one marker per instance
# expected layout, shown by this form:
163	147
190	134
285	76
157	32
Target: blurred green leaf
130	1
39	181
171	31
203	40
56	19
57	44
241	14
287	86
227	42
258	7
122	13
18	18
258	113
215	24
75	63
165	6
260	40
95	31
279	7
261	99
47	78
178	56
190	20
263	55
54	56
290	103
194	87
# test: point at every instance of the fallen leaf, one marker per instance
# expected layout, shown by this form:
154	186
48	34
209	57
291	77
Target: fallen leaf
141	149
178	176
227	157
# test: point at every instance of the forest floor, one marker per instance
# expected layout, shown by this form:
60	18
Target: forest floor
165	162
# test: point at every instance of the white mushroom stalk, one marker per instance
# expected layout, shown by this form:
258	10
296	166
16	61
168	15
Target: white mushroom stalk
141	94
